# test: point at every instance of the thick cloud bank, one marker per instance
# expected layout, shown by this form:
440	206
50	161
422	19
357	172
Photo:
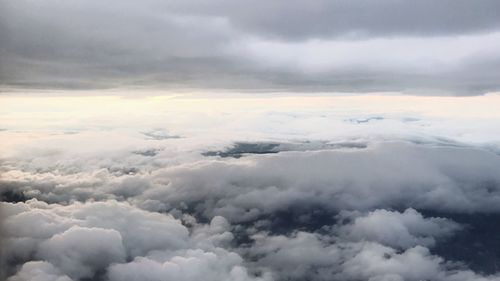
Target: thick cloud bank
344	222
92	240
278	189
449	47
39	271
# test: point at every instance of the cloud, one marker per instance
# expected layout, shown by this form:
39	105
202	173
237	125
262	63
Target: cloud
377	262
235	202
39	271
83	251
395	229
191	265
303	254
325	46
344	18
92	240
313	256
259	189
217	233
420	65
388	174
384	174
83	239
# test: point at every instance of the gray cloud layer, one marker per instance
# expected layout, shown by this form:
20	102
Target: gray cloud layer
425	47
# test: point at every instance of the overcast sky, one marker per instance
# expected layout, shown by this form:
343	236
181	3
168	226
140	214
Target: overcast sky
425	47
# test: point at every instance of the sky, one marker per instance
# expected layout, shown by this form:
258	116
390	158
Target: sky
235	141
449	47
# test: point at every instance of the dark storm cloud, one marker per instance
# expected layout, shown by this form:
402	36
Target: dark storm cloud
297	20
198	44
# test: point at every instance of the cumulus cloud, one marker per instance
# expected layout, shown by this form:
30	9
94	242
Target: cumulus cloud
303	254
218	233
420	176
83	239
39	271
94	239
292	189
377	263
191	265
226	212
395	229
316	257
83	251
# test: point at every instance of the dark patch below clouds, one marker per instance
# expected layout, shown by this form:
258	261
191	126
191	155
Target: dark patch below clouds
120	171
12	196
147	152
240	149
477	245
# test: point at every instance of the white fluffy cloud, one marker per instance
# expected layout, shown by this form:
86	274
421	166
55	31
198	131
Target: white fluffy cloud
188	266
395	229
386	174
317	257
83	239
39	271
303	254
82	251
91	240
